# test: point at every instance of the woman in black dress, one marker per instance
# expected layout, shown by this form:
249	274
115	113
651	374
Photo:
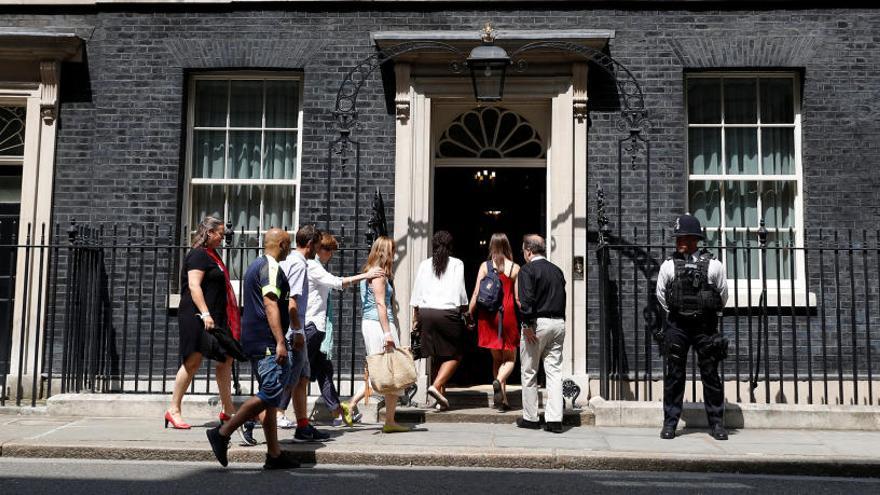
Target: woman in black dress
206	302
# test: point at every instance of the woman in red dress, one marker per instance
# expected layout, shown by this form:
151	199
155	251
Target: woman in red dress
501	343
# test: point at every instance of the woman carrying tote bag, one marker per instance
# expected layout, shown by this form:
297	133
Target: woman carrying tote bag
377	324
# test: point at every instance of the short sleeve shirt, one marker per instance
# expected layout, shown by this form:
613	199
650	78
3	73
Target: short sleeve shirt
263	277
296	272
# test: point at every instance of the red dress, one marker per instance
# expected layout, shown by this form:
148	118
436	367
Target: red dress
487	323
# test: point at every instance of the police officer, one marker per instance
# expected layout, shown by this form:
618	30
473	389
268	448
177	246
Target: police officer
692	289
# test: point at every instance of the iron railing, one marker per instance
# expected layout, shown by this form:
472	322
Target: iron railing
94	309
802	320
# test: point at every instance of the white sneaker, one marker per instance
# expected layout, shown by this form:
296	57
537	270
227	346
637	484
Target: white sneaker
285	423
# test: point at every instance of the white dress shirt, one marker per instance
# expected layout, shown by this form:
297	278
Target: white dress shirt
446	292
320	283
717	278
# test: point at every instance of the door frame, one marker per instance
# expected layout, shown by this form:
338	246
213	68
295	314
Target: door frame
417	100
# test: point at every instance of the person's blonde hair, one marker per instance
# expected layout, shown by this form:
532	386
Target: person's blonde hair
499	248
208	224
381	255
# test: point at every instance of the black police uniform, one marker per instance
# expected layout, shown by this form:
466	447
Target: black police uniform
692	321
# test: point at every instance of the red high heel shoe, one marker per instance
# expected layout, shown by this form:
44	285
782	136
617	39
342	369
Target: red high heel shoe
174	424
223	417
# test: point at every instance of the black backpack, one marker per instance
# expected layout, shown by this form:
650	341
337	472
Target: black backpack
491	294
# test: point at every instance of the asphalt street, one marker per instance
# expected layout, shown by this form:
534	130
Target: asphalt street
74	477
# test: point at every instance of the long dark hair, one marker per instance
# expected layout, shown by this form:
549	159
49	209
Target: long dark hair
442	244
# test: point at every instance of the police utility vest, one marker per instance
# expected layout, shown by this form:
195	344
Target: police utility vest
690	294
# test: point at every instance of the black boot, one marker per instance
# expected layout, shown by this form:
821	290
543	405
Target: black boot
718	432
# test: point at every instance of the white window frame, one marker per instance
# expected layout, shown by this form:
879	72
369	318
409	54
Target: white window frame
190	128
797	178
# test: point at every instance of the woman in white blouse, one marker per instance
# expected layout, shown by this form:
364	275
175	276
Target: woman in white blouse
438	301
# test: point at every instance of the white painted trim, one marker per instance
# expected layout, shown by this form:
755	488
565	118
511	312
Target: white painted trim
190	181
490	162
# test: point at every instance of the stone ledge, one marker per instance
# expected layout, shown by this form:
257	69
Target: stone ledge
763	416
495	458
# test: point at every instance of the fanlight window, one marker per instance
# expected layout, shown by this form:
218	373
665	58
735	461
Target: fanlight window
490	132
12	131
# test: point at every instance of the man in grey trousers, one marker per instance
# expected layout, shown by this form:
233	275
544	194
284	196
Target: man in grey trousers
542	307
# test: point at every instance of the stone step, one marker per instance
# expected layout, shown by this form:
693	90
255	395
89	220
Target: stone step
486	415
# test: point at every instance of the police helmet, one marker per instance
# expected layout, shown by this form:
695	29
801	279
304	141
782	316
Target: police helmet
688	225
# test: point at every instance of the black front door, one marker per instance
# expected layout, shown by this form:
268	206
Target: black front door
10	209
474	203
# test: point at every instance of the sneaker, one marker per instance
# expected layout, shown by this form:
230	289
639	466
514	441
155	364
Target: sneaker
246	433
283	461
219	444
529	425
395	429
309	433
356	417
317	434
346	414
285	423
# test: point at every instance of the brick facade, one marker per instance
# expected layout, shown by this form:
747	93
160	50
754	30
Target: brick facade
121	137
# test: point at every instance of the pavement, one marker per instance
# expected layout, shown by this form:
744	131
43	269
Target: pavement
804	452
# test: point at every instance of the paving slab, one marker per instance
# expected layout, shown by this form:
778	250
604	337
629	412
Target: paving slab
461	444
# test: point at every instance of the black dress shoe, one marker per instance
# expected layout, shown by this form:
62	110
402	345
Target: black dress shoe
667	433
283	461
718	432
553	426
530	425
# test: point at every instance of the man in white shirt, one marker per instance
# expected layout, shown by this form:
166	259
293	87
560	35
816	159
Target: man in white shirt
692	289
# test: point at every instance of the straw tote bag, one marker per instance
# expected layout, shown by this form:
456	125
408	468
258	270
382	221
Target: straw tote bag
391	371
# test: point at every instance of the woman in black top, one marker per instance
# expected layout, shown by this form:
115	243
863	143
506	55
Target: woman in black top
205	293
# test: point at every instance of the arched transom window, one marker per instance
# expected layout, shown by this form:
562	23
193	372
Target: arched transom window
490	132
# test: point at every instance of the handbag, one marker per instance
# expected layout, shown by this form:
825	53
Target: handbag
415	341
391	371
224	344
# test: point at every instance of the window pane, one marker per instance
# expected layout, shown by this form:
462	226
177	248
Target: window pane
741	203
209	152
207	201
704	148
211	103
12	125
777	146
779	255
742	256
777	101
705	203
247	248
244	155
777	203
282	104
704	100
741	145
740	101
244	207
279	207
10	185
246	104
280	161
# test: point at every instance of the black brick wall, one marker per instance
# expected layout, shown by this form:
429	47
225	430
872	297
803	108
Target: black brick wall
119	146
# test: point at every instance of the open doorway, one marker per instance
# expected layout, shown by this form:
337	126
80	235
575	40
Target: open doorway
472	203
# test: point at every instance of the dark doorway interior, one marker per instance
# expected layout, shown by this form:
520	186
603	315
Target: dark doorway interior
10	206
472	204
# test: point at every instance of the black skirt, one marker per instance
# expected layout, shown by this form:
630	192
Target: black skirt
442	332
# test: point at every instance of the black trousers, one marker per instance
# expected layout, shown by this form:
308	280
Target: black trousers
321	368
680	336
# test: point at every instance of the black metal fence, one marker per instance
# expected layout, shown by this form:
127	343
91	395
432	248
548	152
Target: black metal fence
95	309
802	318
